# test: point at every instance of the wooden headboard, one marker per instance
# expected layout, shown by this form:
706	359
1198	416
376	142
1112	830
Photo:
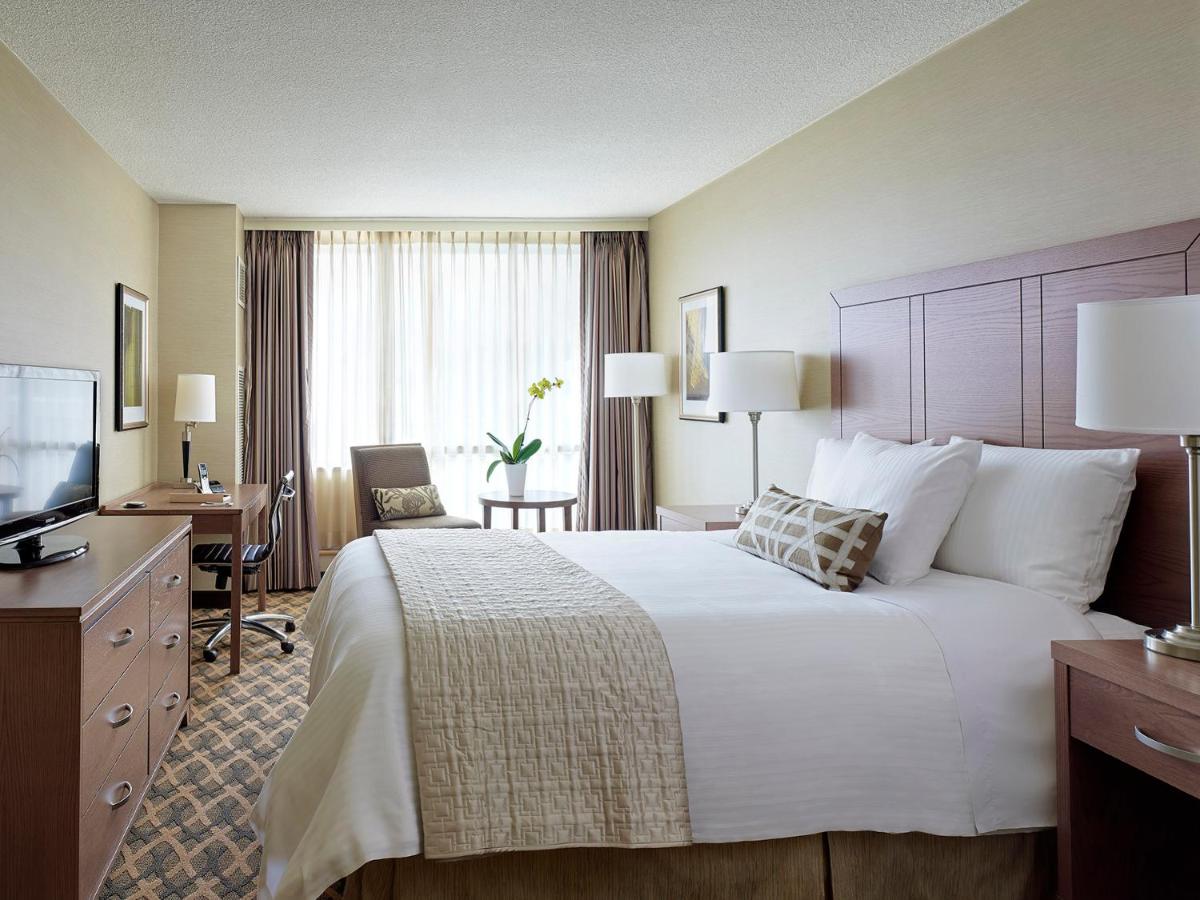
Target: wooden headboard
987	350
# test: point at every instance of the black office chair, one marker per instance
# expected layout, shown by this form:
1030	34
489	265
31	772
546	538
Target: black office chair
217	559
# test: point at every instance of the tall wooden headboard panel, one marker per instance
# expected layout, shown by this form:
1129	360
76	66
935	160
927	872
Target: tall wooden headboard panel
987	350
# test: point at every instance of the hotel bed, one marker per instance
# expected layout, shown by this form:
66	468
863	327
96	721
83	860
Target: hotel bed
921	708
893	741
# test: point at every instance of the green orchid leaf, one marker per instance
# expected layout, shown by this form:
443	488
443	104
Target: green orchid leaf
500	445
531	449
492	468
516	447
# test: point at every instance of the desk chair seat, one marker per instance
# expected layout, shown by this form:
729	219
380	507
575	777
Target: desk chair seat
217	559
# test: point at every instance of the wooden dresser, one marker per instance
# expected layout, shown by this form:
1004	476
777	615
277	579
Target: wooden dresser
94	682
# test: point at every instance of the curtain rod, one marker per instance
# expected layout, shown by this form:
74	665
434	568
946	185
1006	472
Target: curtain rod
286	224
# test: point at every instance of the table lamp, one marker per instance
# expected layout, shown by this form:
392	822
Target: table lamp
195	401
754	382
1138	371
635	375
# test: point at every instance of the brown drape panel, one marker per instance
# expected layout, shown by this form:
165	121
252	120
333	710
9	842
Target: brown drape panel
614	317
279	301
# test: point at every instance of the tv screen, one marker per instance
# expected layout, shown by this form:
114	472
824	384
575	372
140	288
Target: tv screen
49	458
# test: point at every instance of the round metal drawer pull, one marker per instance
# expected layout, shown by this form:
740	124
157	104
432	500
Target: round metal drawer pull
126	713
175	580
172	641
127	788
1178	752
172	700
127	636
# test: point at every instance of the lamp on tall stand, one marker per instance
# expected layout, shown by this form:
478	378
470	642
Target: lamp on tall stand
636	376
1138	371
195	401
754	382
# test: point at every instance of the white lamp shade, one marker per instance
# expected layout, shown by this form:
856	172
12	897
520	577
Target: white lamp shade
1138	366
196	398
635	375
753	381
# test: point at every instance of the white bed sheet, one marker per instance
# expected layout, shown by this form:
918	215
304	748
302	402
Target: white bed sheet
923	707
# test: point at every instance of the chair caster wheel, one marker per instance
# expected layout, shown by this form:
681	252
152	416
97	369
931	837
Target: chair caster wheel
210	655
289	627
287	646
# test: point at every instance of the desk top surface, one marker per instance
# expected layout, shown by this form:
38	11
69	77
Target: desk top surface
245	498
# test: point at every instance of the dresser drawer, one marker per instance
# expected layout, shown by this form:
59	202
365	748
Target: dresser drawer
169	642
1105	715
103	827
170	580
112	643
167	708
108	730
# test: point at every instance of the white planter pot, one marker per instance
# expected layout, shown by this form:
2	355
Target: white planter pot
516	479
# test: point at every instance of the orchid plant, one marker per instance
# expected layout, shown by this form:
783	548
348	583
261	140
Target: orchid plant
521	452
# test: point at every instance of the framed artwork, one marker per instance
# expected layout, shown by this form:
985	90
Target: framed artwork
701	334
132	400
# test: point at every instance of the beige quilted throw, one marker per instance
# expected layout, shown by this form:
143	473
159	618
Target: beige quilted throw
542	704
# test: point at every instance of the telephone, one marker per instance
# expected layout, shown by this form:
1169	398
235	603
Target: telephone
205	487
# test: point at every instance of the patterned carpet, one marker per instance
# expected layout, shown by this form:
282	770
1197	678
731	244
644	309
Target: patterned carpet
192	836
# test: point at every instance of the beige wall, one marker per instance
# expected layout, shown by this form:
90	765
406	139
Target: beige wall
1067	119
73	226
197	273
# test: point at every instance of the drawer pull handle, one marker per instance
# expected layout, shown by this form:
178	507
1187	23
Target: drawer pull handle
175	580
126	636
1178	752
172	641
171	700
122	715
126	790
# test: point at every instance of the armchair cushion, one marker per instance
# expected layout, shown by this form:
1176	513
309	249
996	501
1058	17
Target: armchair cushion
407	502
370	527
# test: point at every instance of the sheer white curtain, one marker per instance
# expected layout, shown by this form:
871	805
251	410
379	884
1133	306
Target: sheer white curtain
434	337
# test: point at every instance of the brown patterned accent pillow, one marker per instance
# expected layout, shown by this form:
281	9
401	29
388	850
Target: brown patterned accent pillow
408	503
826	544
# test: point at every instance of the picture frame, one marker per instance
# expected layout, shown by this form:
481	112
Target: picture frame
701	333
132	398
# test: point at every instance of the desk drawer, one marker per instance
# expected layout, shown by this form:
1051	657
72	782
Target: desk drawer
1104	715
167	709
169	643
107	732
103	827
112	643
170	580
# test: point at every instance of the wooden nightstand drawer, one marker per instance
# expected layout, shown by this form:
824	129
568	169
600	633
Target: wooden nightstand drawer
1105	715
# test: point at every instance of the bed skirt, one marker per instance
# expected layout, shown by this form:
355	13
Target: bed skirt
831	866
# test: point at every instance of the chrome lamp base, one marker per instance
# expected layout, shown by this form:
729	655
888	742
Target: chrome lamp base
1182	641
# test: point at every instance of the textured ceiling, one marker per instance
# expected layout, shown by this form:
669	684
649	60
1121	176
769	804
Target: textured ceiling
458	108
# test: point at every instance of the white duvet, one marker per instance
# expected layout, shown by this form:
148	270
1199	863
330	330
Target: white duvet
925	707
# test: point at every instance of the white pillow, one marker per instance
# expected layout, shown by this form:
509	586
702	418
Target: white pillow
921	487
1047	520
827	461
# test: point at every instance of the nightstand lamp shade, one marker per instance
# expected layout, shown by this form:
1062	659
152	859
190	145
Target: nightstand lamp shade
754	382
195	401
635	375
1138	371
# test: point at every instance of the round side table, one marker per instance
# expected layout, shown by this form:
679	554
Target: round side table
539	500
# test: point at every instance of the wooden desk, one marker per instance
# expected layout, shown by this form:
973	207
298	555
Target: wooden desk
249	504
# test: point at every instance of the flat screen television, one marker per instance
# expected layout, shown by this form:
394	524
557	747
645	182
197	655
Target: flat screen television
49	461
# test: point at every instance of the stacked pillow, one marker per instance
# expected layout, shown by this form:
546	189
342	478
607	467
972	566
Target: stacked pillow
921	488
1047	520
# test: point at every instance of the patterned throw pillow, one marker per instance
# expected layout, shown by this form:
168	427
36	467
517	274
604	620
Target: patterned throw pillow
827	544
408	503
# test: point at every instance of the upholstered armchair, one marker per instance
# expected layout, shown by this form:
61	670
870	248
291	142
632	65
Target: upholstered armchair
393	466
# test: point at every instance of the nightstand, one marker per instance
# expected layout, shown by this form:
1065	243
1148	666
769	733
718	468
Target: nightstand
697	518
1128	726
